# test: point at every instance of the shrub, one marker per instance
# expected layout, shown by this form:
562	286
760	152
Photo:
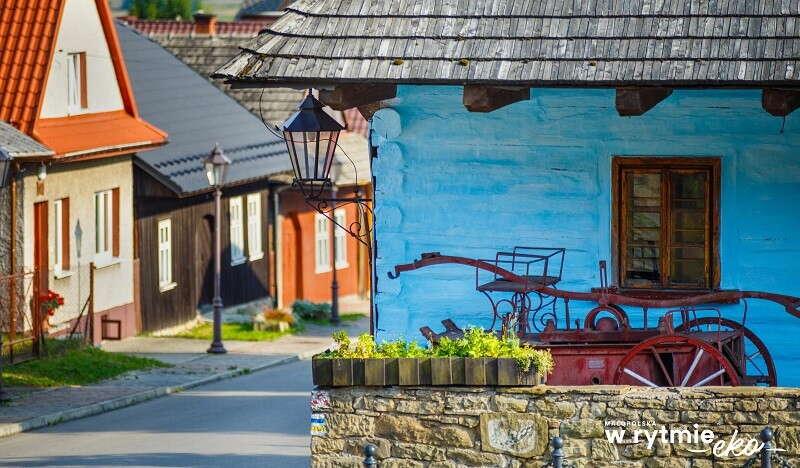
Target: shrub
475	343
308	310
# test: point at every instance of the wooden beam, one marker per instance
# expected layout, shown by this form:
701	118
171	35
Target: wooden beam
481	98
780	102
368	110
348	96
637	101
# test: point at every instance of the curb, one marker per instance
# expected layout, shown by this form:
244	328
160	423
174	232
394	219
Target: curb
10	429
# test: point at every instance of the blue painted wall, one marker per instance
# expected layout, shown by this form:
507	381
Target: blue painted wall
539	173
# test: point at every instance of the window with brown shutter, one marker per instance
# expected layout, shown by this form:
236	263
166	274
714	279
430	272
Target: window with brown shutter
115	223
666	218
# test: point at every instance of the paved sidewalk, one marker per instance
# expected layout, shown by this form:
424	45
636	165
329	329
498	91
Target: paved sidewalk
33	408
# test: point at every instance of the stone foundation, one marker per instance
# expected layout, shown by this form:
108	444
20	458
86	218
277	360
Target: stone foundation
511	427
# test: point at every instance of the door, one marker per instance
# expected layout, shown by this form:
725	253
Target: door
291	261
41	254
204	263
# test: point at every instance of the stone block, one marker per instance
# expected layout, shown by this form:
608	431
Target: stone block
602	449
517	434
582	428
344	425
504	403
475	458
418	452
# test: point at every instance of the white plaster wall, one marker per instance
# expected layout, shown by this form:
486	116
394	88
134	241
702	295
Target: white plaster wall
81	31
79	182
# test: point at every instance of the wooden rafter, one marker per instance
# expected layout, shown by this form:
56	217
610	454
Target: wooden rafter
347	96
482	98
780	102
636	101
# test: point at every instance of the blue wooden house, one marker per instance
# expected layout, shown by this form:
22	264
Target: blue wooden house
658	136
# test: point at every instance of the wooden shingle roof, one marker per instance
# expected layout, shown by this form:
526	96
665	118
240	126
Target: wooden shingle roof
532	42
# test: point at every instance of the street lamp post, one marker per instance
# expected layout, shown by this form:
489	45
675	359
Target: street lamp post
216	165
334	282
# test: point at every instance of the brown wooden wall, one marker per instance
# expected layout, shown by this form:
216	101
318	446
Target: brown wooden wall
192	243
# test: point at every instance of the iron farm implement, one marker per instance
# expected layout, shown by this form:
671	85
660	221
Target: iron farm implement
705	348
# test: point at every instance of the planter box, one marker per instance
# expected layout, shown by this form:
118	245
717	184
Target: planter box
437	371
509	374
480	371
447	371
380	372
414	371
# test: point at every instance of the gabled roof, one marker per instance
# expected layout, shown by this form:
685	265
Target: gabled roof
242	28
197	115
28	37
28	32
528	42
19	145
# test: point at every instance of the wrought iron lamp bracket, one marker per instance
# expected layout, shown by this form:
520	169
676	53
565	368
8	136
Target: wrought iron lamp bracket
360	229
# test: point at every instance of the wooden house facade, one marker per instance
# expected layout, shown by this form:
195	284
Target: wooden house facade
658	137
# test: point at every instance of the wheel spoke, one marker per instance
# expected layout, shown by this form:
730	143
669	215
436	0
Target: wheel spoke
709	378
639	377
662	366
697	357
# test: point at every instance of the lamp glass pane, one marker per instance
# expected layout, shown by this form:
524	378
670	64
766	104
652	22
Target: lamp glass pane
210	173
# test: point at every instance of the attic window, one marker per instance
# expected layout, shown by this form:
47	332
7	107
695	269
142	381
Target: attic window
77	98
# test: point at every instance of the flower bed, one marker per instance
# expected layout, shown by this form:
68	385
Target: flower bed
479	358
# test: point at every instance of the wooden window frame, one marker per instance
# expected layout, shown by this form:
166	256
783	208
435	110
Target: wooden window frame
255	237
621	163
236	226
340	237
61	252
80	85
322	241
165	264
107	230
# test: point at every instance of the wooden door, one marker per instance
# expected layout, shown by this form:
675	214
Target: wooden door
291	261
204	263
41	254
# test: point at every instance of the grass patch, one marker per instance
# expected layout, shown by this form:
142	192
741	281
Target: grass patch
352	317
76	366
236	332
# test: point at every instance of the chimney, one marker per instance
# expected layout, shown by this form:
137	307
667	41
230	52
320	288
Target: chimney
205	23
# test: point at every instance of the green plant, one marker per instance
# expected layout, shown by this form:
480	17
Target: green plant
308	310
476	343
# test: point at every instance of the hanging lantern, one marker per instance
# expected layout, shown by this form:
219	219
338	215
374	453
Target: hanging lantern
311	135
216	166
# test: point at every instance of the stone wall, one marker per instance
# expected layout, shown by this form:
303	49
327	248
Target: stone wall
511	427
5	228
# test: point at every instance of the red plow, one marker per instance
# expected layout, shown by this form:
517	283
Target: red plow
691	343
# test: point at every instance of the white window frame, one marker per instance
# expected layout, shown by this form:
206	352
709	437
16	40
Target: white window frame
236	231
255	249
164	236
58	228
340	238
74	78
322	244
104	230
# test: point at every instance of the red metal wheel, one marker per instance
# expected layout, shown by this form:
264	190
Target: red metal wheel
756	354
675	361
591	322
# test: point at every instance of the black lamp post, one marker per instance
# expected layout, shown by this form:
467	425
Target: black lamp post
216	165
5	173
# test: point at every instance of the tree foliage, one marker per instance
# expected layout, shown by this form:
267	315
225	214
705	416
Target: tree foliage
163	9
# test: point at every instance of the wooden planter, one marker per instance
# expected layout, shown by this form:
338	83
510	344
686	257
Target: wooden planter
436	371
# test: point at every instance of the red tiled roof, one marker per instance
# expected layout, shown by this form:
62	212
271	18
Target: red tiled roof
28	34
183	28
104	133
28	31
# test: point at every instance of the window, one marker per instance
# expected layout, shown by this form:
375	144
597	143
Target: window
165	255
106	221
255	250
666	221
61	224
340	238
77	98
237	231
322	242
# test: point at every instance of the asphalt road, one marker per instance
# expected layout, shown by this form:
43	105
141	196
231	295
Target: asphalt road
260	419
